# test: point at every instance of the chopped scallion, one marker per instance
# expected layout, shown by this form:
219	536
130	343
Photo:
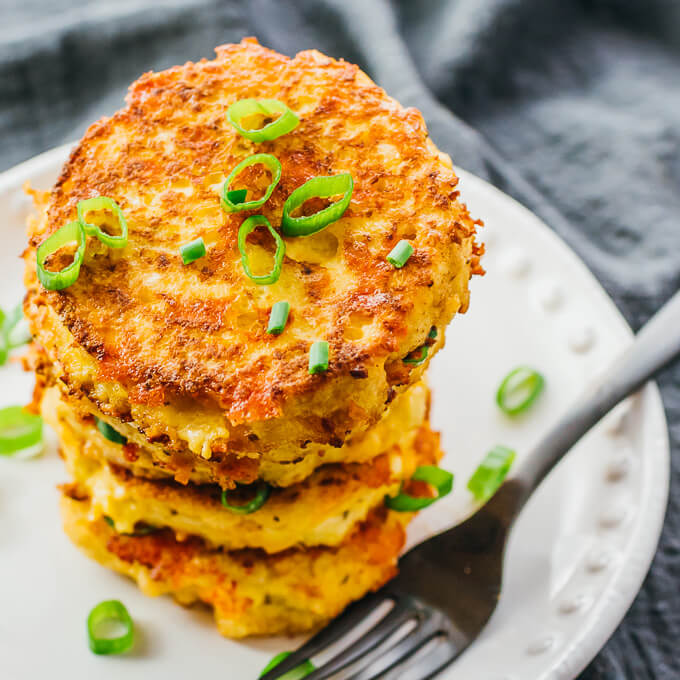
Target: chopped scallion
278	318
262	491
73	231
441	480
318	357
249	225
20	431
103	204
491	472
192	251
270	162
317	187
400	254
267	108
299	672
110	434
519	390
107	613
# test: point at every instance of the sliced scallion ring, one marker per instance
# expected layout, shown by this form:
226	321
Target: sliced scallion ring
418	356
15	328
19	431
299	672
249	225
143	530
102	204
519	390
244	108
110	433
262	491
491	472
4	345
270	162
317	187
73	231
105	614
442	480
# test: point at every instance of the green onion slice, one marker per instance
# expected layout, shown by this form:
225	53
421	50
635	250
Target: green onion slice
491	472
318	357
192	251
299	672
270	162
237	196
519	390
19	431
110	433
249	225
244	108
105	614
317	187
143	530
442	480
102	204
418	356
73	231
400	254
278	318
262	491
15	327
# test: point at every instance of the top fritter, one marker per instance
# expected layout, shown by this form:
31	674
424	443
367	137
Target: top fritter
182	350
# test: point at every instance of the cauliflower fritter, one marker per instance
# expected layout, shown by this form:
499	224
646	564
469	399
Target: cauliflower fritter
251	593
181	351
321	510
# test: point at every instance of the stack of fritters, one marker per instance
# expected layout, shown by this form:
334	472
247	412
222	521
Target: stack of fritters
176	358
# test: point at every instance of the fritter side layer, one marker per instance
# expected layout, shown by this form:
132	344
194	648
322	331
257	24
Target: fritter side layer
251	593
322	510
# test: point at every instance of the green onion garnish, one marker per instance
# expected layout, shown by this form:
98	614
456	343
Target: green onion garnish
143	530
442	480
278	318
20	431
317	187
422	351
519	390
110	434
73	231
299	672
100	619
491	472
102	204
244	108
262	491
400	254
318	357
237	196
249	225
15	327
192	251
266	159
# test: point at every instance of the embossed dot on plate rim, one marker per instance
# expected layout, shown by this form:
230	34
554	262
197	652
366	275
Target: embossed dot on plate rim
541	645
581	339
574	604
599	559
516	263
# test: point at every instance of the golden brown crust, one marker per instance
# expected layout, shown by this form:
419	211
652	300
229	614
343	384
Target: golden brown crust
167	333
251	593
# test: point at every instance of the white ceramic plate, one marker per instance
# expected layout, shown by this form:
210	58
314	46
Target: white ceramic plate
576	558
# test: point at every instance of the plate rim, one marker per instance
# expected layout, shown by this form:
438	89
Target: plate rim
624	586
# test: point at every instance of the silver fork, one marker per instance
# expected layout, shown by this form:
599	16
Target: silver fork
448	586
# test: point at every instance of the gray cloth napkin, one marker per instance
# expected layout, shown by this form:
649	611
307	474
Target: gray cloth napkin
571	106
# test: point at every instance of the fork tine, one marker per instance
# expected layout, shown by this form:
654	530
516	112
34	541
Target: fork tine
403	611
432	625
348	620
443	653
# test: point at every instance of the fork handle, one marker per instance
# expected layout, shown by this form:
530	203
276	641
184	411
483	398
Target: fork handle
654	347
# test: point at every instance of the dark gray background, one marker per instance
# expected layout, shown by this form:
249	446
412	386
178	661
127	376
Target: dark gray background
571	106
